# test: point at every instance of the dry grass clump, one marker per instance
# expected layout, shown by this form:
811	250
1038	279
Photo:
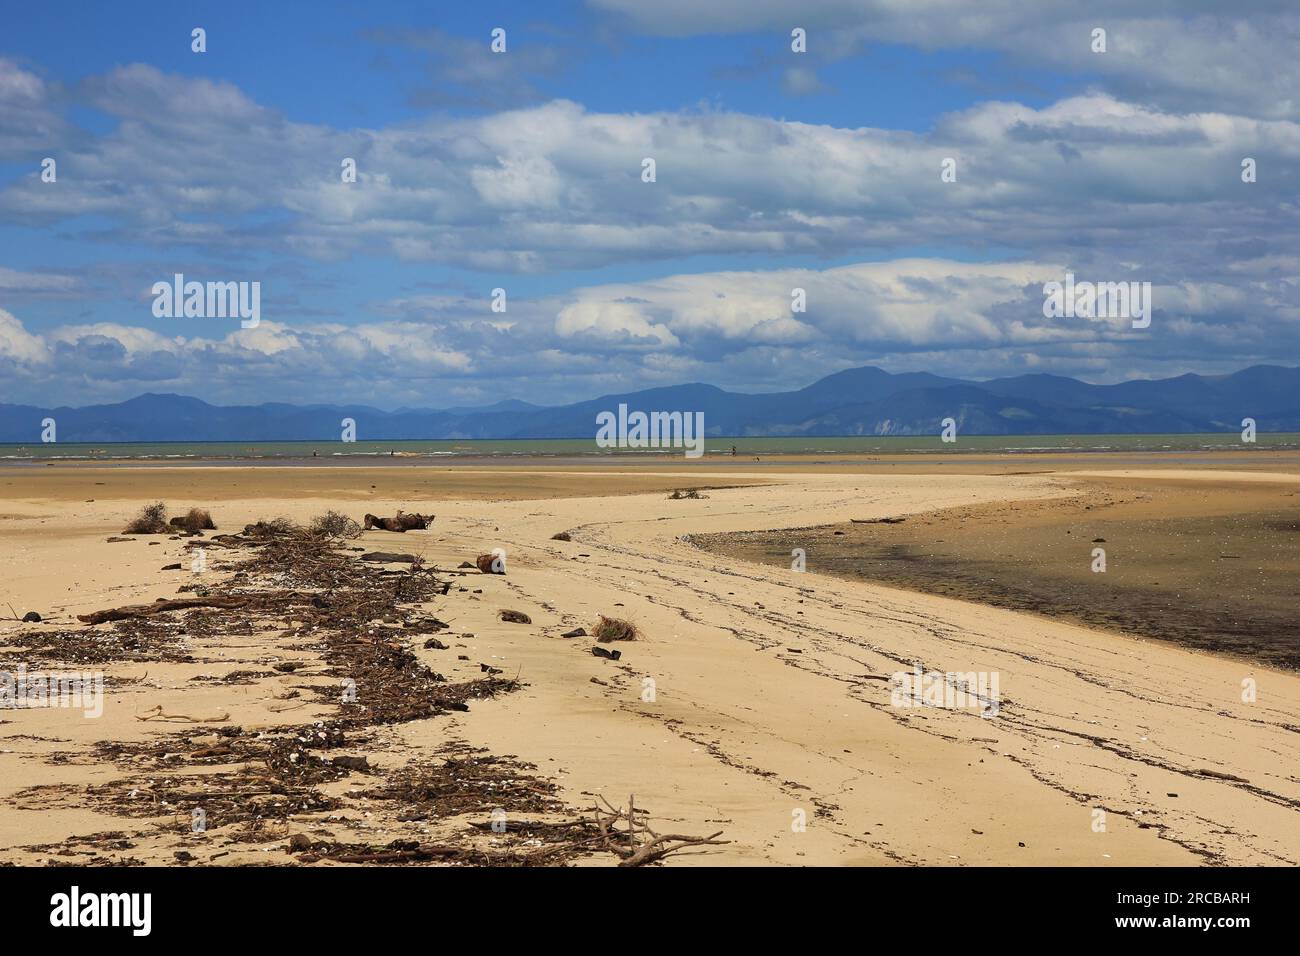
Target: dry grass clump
609	629
692	493
562	536
271	529
152	519
196	519
334	524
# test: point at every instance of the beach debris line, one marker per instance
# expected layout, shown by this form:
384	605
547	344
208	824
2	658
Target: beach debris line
400	523
346	622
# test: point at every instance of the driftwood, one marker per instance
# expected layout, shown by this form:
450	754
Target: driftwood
146	610
636	844
157	713
401	523
390	557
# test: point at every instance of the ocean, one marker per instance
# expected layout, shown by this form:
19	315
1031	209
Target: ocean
321	452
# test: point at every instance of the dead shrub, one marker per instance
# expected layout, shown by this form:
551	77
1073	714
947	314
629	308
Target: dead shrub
334	524
152	519
609	629
196	519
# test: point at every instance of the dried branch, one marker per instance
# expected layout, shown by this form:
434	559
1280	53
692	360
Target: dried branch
638	844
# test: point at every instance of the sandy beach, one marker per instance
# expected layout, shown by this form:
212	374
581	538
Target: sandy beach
757	701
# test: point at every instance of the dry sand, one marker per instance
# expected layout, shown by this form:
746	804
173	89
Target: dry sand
767	703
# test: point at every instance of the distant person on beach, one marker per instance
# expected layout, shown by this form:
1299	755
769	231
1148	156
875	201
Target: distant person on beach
733	451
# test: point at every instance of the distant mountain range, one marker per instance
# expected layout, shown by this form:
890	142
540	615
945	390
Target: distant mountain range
859	401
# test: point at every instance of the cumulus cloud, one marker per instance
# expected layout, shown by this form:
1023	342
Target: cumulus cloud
557	186
1177	54
30	123
188	172
735	328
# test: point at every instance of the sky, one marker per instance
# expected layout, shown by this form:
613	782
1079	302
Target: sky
523	170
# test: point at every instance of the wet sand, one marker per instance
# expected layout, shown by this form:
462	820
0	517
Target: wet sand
1211	566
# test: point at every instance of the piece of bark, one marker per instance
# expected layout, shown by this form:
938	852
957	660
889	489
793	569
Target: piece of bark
390	557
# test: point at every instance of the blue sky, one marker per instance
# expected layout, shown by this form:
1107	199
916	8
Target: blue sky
521	170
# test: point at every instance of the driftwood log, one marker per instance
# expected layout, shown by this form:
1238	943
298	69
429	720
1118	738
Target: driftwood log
401	523
157	607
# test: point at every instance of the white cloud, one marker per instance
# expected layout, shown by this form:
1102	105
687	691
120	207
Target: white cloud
1181	54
